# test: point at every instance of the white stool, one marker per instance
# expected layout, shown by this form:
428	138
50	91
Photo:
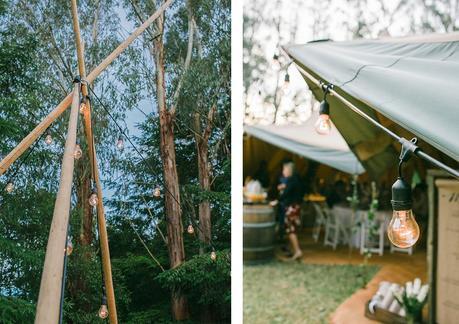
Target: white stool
334	230
374	246
319	222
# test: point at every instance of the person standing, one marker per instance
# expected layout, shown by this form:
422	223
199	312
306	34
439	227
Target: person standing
291	195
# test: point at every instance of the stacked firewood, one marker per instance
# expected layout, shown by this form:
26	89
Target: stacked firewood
396	299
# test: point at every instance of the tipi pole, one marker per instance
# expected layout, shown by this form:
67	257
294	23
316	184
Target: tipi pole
51	278
103	237
64	104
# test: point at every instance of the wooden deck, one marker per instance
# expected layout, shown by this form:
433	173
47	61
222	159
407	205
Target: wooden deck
395	267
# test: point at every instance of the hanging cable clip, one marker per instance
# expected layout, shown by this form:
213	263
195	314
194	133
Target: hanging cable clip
408	149
326	87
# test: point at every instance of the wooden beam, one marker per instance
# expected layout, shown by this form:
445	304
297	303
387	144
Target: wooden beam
103	237
51	278
45	123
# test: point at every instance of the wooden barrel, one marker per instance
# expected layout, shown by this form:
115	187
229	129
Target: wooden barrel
258	234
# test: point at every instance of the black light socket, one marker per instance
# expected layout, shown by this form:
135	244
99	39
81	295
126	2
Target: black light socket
287	77
401	195
104	300
324	108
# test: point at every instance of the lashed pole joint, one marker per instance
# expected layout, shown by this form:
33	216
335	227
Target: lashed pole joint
64	104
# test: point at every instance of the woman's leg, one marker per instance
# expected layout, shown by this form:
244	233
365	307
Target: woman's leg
297	253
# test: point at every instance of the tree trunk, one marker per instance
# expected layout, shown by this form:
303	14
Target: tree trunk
202	148
204	181
172	193
83	189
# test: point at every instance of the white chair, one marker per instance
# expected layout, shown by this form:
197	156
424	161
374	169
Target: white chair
369	242
393	249
319	222
335	232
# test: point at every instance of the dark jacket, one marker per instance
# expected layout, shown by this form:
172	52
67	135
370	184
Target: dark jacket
293	192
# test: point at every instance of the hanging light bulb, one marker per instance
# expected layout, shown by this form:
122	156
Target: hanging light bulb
276	62
83	105
286	84
9	187
103	310
323	124
157	192
78	153
120	143
213	255
48	138
190	229
69	248
93	199
403	231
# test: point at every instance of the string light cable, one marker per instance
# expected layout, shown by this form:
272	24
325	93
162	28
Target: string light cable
144	160
407	144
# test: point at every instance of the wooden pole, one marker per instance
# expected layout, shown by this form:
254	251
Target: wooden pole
51	278
103	237
45	123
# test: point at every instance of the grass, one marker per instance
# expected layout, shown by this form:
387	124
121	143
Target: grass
299	293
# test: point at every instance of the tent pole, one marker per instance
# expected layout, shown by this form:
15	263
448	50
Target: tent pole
418	152
103	237
64	104
51	279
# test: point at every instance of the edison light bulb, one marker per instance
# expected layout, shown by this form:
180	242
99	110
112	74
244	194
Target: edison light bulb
323	125
120	143
103	311
157	192
78	152
9	187
82	106
403	231
48	139
213	255
93	199
276	63
190	229
286	84
69	248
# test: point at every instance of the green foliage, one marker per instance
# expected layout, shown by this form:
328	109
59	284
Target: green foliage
205	281
15	310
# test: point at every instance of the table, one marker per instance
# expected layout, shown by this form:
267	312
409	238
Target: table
344	215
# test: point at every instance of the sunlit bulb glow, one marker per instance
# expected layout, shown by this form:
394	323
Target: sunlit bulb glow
213	255
190	229
82	107
103	311
93	199
403	231
120	144
157	192
9	187
323	125
69	248
48	139
78	153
